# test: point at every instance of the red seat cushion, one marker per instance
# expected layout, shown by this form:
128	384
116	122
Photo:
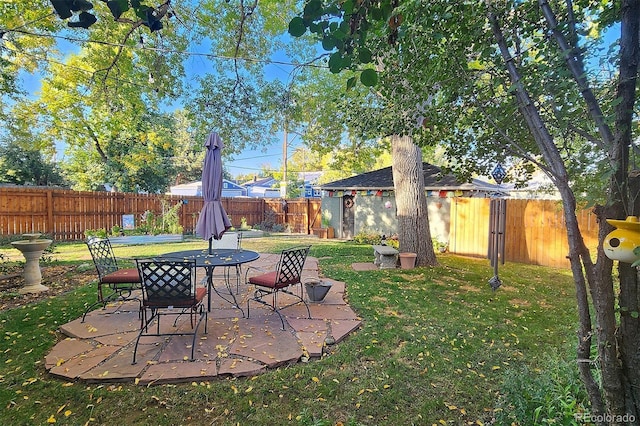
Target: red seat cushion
269	280
264	280
201	292
122	276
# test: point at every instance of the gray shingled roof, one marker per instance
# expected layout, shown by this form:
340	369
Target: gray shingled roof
383	179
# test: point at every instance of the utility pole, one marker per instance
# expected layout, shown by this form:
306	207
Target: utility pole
285	142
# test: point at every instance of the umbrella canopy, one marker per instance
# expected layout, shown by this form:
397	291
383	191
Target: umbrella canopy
213	220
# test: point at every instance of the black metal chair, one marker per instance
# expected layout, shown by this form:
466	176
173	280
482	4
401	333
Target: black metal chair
233	244
121	281
169	288
286	276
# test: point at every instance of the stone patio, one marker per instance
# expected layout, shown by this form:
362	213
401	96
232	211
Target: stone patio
100	350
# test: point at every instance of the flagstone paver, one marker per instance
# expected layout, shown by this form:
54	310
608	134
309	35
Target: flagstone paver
100	349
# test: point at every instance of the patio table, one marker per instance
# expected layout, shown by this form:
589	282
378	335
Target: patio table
212	259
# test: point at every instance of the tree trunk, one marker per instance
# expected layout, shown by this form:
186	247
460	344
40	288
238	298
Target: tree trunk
629	330
411	203
618	347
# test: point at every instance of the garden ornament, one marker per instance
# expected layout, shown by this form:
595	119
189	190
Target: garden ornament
620	243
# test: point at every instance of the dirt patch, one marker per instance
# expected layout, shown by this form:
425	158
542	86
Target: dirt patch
60	279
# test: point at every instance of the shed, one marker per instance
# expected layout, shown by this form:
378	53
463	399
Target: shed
366	202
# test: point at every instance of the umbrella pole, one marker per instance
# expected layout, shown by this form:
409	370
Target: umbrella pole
210	245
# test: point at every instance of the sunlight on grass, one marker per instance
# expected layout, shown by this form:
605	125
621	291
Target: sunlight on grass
436	346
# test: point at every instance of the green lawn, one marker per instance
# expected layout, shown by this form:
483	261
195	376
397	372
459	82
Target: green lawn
437	346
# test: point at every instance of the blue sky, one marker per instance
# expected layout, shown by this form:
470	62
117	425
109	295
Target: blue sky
250	161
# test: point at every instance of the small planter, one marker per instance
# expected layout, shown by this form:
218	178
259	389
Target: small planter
407	260
317	289
323	233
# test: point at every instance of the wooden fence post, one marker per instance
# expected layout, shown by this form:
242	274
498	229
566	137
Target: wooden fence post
50	226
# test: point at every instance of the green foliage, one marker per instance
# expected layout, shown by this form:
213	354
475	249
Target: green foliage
166	223
269	223
169	222
100	233
366	236
343	28
146	15
439	246
636	252
5	266
26	165
550	394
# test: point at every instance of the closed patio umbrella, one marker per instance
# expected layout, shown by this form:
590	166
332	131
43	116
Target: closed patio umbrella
213	220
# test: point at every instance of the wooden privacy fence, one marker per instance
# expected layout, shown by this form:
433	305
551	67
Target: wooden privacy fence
65	214
534	234
535	230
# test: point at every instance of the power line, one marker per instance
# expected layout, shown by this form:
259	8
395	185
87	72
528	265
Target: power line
165	50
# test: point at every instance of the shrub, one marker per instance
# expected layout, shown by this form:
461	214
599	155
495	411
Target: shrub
552	396
269	223
100	233
367	237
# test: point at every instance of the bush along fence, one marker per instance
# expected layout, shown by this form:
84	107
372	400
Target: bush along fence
65	215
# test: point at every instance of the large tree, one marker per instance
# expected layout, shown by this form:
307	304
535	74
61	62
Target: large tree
517	82
28	165
377	108
109	93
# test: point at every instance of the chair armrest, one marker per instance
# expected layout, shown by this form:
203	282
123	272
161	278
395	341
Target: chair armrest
261	270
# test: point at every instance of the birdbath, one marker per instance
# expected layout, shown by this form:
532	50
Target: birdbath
32	249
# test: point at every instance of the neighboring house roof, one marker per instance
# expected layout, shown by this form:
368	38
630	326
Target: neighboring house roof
539	186
191	188
309	177
229	189
383	179
266	182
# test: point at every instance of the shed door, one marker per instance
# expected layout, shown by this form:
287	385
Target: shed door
348	217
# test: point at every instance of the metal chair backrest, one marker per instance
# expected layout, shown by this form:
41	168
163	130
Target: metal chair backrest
102	254
289	270
230	240
168	283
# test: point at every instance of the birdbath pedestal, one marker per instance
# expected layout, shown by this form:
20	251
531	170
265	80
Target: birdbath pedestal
32	249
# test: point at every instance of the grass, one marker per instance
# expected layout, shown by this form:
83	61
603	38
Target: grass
437	346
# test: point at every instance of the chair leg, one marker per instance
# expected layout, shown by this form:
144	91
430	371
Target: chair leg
200	311
116	294
258	296
143	327
101	301
203	314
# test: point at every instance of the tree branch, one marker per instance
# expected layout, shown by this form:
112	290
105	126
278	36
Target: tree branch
161	12
574	61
